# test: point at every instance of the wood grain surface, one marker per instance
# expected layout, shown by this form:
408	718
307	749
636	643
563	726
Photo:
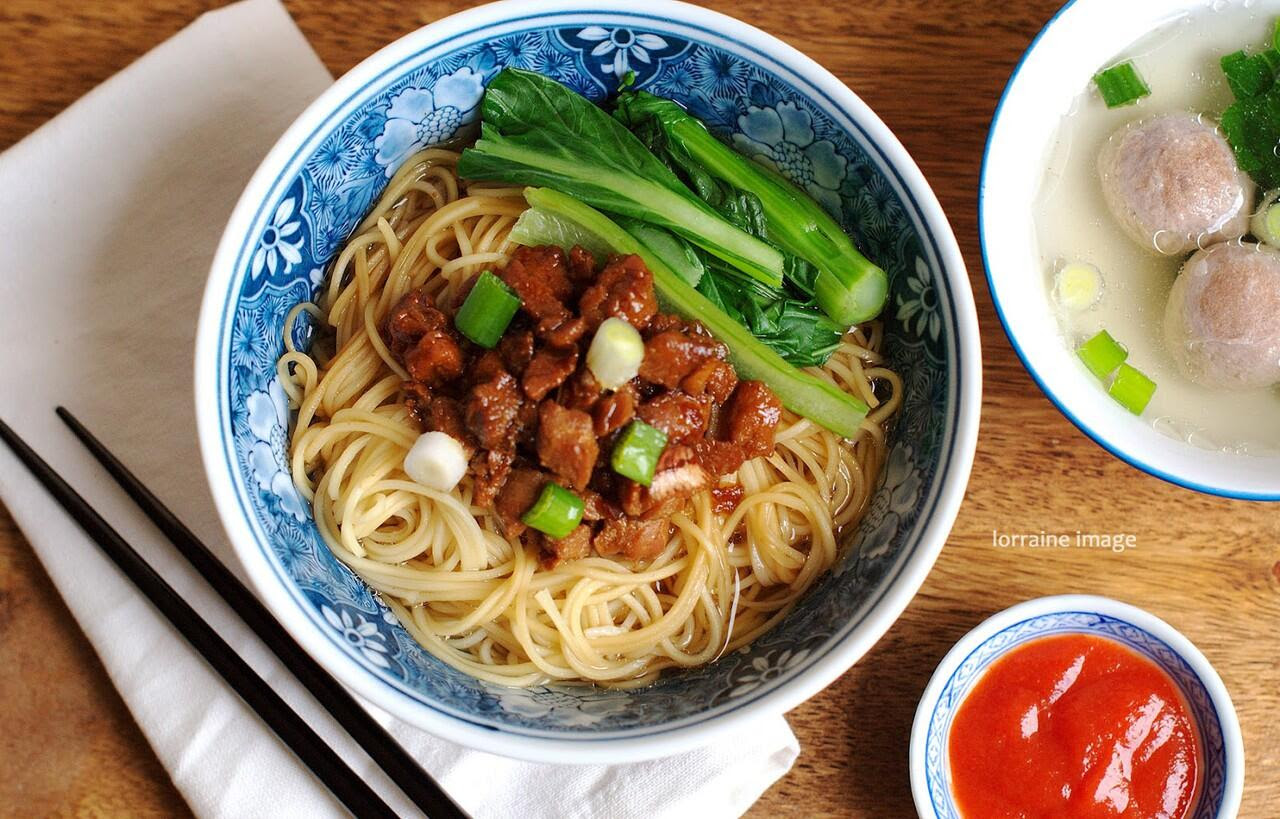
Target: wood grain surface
933	70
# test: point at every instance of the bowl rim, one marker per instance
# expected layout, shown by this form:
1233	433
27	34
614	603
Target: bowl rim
1124	454
1220	698
842	654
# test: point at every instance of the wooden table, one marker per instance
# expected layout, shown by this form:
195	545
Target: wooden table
933	69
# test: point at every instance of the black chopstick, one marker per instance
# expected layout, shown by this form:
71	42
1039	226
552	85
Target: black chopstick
319	757
416	783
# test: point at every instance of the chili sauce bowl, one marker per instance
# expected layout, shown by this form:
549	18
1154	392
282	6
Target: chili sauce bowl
1202	690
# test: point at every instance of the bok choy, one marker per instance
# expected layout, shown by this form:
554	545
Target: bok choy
553	216
783	318
535	131
848	287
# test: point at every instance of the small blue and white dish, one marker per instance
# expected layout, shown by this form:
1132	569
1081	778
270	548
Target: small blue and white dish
1223	765
315	186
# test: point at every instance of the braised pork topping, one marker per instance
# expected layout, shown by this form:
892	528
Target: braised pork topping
530	412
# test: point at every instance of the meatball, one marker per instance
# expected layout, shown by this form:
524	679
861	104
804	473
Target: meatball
1173	183
1222	323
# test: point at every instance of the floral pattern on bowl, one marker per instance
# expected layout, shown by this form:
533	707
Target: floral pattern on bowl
743	96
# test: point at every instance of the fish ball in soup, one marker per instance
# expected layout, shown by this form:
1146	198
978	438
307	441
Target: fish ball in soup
1222	322
1173	183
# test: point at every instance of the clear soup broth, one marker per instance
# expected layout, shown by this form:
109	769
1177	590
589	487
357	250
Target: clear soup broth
1180	62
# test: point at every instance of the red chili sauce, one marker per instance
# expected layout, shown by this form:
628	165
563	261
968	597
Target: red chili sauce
1074	726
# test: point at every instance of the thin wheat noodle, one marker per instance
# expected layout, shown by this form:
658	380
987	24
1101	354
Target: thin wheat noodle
483	604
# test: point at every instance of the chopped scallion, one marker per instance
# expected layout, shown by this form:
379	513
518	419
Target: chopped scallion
1265	224
487	310
1121	85
1102	354
555	513
1078	286
1132	389
636	454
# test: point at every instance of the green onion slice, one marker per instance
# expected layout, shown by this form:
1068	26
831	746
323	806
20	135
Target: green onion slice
487	310
636	454
1102	354
1132	389
556	512
1121	85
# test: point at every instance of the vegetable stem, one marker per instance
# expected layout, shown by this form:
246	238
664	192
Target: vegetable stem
805	394
849	288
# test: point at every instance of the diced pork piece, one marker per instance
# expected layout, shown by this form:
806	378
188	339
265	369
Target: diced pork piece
519	492
754	412
567	443
672	355
633	539
492	410
681	416
516	349
490	468
624	289
614	411
573	546
549	369
713	377
540	278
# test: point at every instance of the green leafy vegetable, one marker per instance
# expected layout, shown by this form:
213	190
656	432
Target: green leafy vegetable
535	227
1121	85
1252	123
785	318
793	327
803	393
535	131
822	259
673	250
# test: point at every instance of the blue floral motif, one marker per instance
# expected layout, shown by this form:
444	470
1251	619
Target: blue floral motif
764	669
267	416
276	248
898	495
607	53
920	303
519	50
619	46
783	138
326	194
336	158
561	704
361	634
418	117
719	73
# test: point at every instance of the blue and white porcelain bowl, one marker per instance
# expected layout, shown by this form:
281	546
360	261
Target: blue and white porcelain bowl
1082	36
1222	768
331	165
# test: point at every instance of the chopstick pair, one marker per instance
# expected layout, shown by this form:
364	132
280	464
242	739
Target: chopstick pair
349	788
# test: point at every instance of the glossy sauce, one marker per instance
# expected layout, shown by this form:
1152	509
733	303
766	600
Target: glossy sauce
1074	726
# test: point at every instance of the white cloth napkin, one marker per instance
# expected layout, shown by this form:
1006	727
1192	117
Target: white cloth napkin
110	214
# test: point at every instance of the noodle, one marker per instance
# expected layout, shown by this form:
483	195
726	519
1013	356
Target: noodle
482	603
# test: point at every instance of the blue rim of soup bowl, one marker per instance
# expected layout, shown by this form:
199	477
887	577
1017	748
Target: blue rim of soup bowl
1206	697
1116	450
841	651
